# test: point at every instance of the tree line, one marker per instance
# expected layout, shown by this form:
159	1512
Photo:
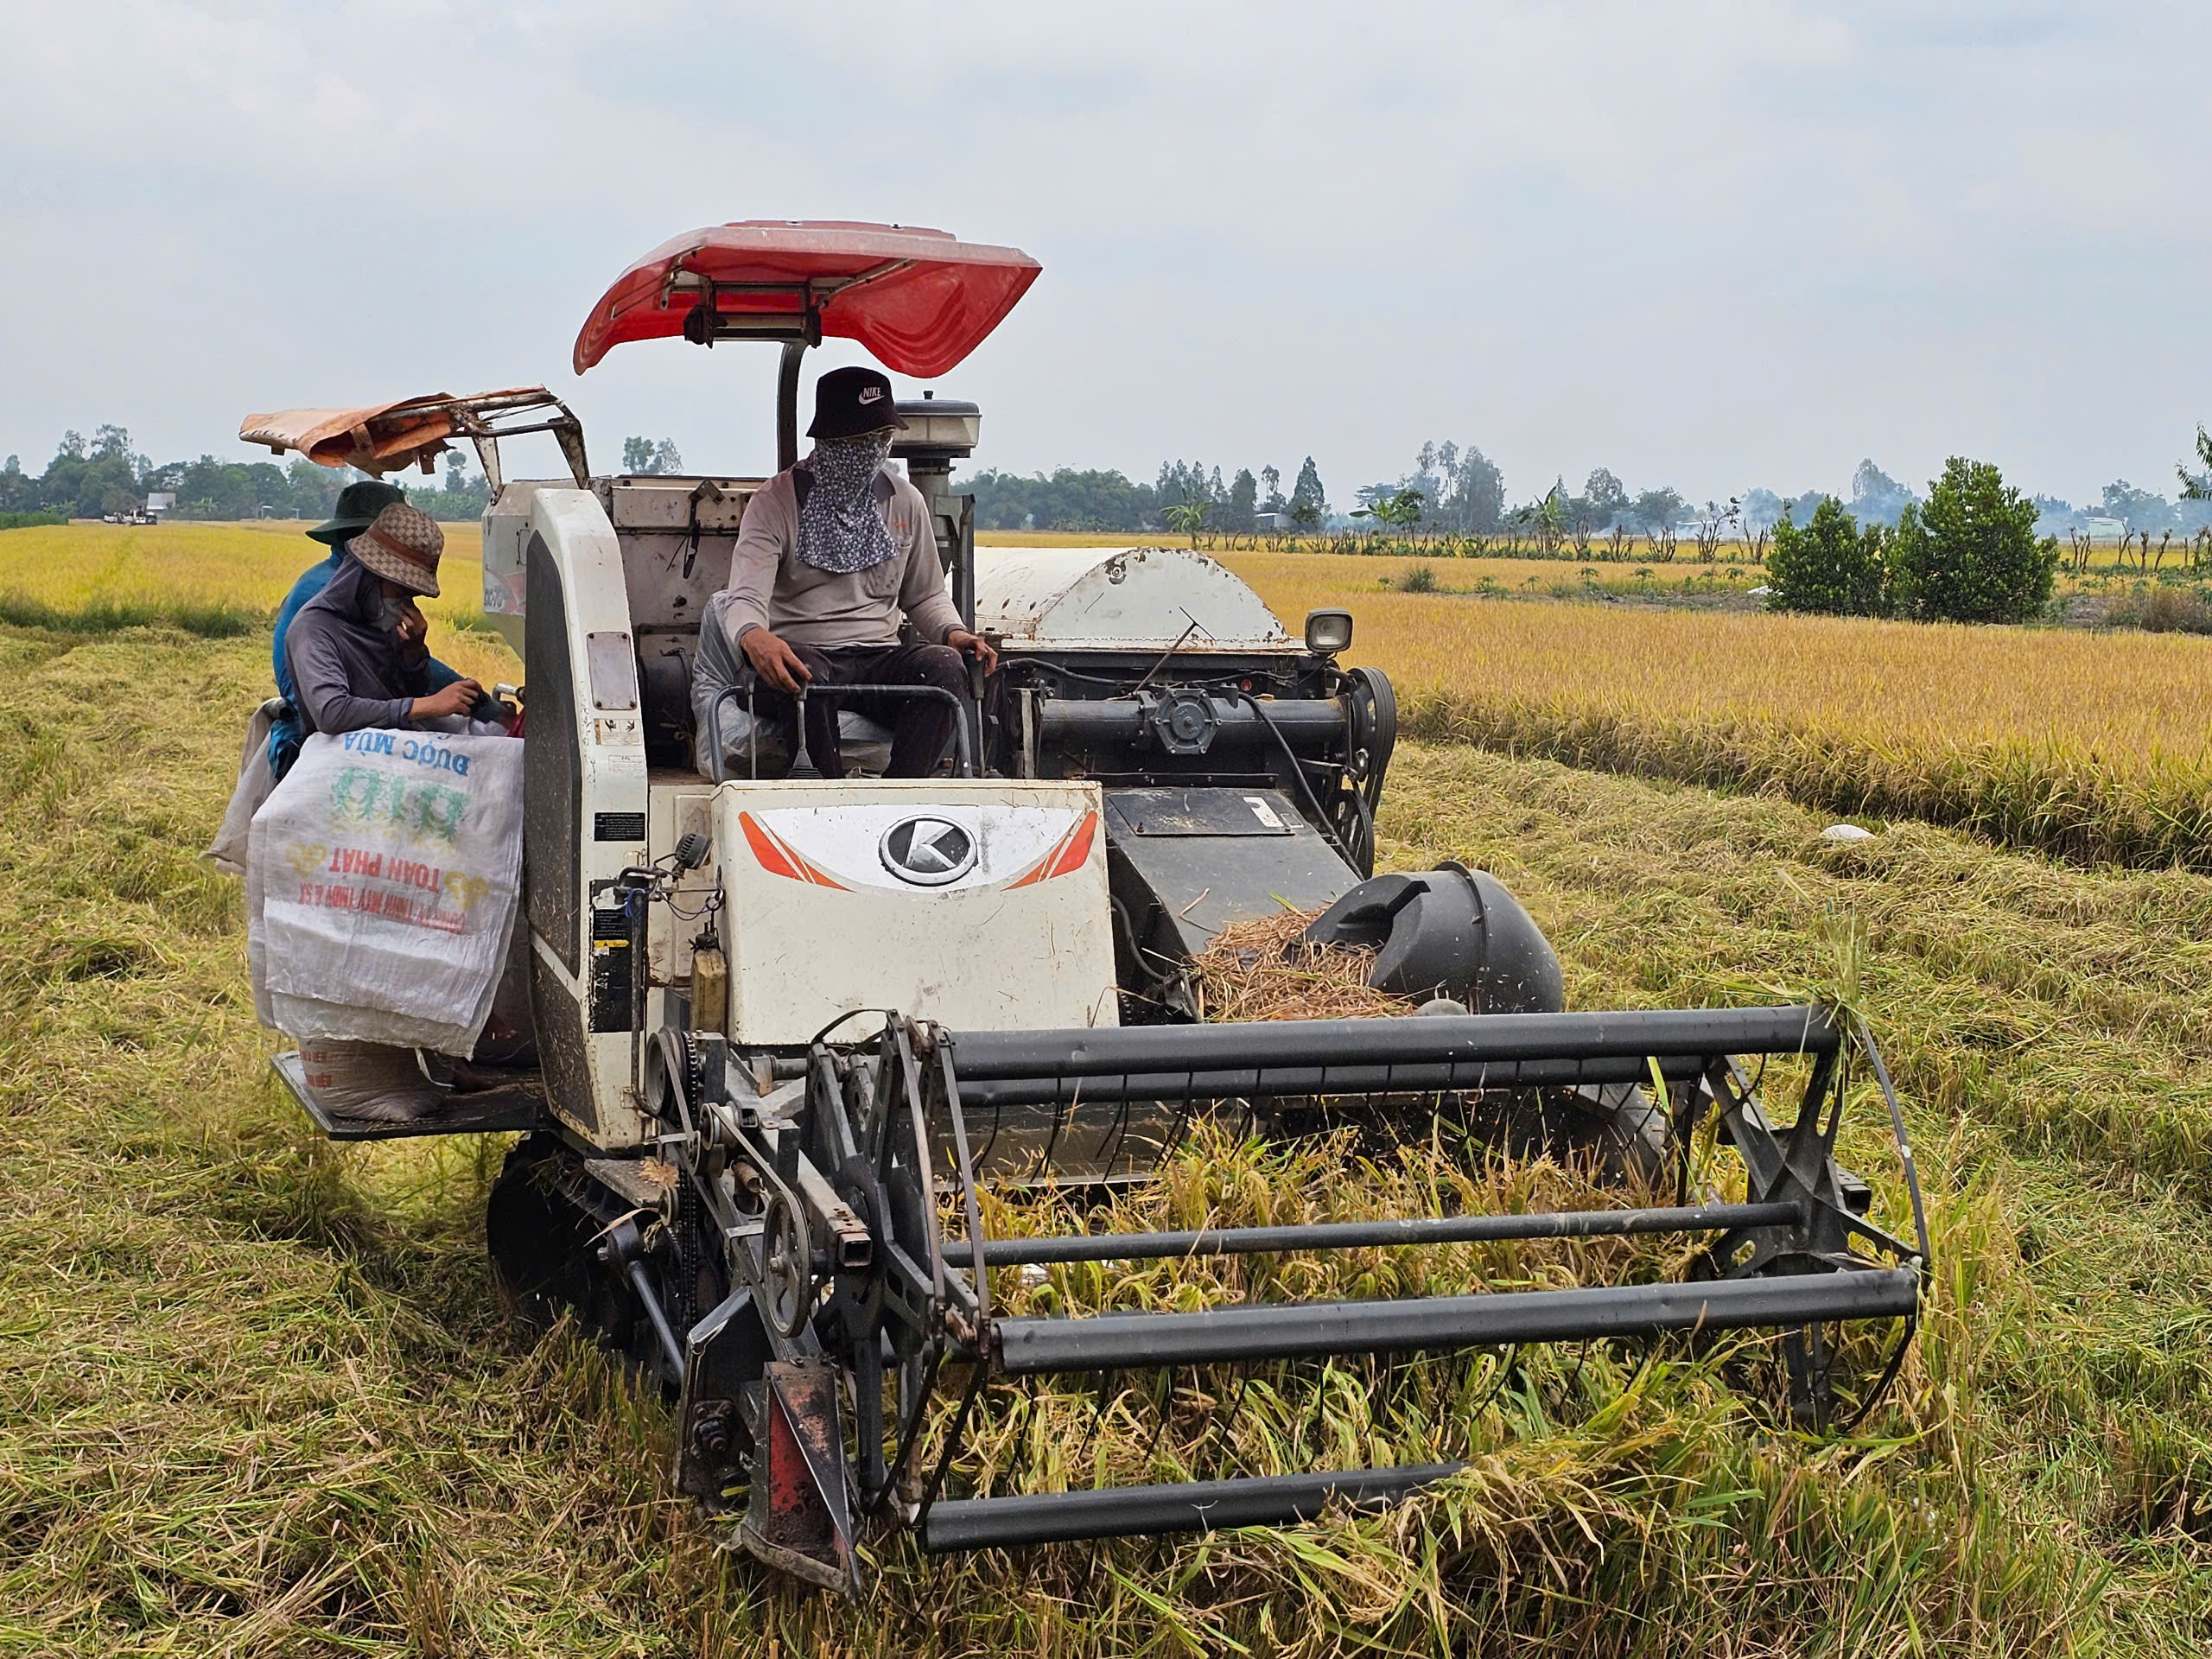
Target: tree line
92	478
1069	499
1450	489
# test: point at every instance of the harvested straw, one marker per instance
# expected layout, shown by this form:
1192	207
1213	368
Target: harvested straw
1262	969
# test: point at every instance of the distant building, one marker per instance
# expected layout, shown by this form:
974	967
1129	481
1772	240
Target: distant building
2104	530
1271	521
162	501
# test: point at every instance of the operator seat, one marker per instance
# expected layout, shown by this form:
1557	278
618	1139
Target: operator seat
721	684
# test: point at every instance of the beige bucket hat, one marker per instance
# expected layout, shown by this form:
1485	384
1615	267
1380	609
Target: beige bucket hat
404	545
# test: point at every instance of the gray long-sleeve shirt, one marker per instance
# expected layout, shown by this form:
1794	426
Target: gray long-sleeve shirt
347	677
770	589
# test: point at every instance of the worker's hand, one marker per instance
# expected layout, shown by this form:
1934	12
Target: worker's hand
413	634
774	661
455	699
974	644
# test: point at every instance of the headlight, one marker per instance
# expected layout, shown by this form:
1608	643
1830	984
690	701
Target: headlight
1328	631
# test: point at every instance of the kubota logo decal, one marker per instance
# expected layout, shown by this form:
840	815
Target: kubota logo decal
927	851
943	848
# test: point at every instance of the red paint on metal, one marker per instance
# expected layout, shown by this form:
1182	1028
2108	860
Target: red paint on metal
1076	850
919	300
792	1500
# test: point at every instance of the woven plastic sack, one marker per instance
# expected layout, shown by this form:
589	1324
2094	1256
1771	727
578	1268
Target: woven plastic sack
228	850
366	1079
383	886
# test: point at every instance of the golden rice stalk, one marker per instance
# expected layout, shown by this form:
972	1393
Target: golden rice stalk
1262	969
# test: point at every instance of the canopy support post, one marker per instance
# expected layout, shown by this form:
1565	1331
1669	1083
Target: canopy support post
787	405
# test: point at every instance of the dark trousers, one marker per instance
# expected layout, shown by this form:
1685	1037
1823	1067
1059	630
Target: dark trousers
921	727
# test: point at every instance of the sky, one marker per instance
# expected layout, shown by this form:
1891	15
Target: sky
1710	246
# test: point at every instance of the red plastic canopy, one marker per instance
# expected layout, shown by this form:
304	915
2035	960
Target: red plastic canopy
919	300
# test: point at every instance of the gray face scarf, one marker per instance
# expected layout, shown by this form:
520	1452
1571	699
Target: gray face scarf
840	529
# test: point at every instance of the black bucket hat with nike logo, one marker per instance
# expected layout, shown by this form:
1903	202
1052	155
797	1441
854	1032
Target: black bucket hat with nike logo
848	402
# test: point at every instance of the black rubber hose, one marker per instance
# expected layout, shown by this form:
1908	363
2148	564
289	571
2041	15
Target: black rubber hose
1298	772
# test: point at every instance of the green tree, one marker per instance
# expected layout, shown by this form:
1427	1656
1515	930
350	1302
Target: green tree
1189	518
1398	510
646	456
1604	498
1970	553
2195	487
1243	501
2137	509
1309	502
1656	509
1066	500
1831	567
1474	494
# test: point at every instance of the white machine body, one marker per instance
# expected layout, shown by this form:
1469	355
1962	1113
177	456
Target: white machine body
1119	599
816	918
977	903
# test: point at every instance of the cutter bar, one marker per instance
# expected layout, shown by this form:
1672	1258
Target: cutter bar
1195	1506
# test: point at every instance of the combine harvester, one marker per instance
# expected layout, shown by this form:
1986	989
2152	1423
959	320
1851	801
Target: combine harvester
792	1029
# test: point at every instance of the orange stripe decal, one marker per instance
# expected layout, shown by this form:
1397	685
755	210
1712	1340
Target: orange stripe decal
777	857
1076	852
771	855
1068	855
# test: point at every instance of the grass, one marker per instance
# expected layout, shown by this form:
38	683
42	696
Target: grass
257	1395
2092	745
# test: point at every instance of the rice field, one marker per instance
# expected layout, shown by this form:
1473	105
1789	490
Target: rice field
2093	745
218	578
259	1396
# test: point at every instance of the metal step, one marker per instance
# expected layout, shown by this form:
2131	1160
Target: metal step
517	1106
1191	1506
1106	1342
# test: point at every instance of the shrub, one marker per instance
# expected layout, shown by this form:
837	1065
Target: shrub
1970	554
30	520
1420	579
2161	610
1831	567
